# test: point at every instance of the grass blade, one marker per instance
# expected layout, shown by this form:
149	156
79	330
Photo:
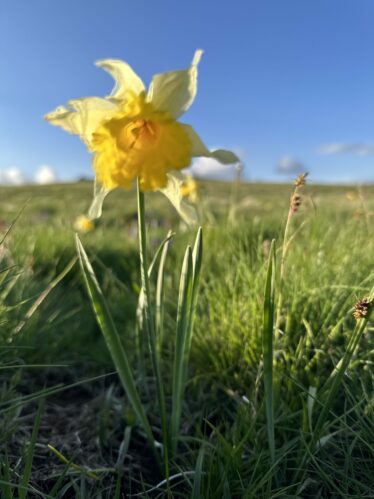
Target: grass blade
30	453
7	232
267	347
44	295
5	485
46	392
196	491
69	463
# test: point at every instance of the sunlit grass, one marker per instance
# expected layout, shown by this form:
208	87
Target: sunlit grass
321	421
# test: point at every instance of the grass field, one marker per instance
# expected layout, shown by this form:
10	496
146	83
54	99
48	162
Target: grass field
278	400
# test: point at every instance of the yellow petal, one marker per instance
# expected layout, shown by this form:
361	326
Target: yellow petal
82	116
174	91
198	146
173	192
126	80
200	149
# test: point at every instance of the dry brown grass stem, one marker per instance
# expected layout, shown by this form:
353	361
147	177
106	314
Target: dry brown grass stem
295	202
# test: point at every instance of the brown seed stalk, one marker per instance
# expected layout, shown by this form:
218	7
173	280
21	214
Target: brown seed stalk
301	179
296	201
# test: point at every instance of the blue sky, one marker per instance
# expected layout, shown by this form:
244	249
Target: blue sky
286	83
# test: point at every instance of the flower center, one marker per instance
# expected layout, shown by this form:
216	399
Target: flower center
139	134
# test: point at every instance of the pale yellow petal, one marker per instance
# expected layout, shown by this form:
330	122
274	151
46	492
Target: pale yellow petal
96	208
126	80
82	116
200	149
173	192
198	146
175	91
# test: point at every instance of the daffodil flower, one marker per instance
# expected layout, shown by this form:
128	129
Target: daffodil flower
83	224
134	133
190	189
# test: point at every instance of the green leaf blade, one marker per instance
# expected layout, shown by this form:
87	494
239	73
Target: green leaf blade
112	339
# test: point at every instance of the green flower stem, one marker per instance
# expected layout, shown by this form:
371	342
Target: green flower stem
150	326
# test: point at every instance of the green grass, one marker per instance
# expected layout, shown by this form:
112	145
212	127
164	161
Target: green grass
296	426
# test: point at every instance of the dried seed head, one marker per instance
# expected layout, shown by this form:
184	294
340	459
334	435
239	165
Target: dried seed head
295	203
362	308
301	179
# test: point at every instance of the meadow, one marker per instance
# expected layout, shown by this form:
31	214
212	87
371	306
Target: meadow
278	399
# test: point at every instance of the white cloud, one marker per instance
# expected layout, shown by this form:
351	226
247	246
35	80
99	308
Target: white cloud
45	175
288	164
12	176
211	168
345	148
